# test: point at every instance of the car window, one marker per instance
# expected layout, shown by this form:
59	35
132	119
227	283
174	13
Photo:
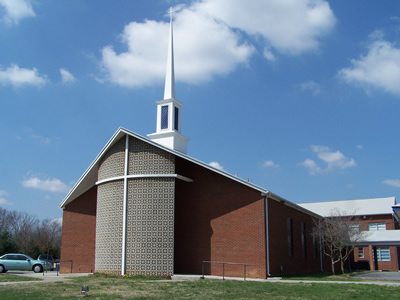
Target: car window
21	257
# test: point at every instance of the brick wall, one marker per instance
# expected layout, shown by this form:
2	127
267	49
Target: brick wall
280	260
217	219
78	234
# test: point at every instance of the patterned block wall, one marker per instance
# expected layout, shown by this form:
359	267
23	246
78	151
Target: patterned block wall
109	227
150	230
113	162
147	159
150	211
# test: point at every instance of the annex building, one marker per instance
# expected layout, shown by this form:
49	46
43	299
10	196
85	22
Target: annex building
378	220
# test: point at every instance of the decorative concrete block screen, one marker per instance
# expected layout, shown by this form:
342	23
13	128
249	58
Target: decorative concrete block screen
150	199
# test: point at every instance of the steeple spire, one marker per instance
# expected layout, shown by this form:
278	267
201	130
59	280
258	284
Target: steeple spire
168	130
169	90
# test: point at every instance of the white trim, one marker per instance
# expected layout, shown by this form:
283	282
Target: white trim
124	214
267	233
144	176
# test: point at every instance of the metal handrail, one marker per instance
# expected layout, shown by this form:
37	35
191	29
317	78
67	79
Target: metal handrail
223	267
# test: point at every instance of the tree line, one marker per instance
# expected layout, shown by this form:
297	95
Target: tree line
21	232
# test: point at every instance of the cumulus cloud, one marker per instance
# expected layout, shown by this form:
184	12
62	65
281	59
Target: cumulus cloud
379	68
16	76
66	76
211	39
291	26
3	200
51	185
15	10
270	164
332	160
392	182
216	165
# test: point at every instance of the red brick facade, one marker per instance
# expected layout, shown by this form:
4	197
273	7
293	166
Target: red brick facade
366	254
305	258
79	234
217	219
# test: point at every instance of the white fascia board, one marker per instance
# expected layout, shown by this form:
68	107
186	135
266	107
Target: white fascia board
89	177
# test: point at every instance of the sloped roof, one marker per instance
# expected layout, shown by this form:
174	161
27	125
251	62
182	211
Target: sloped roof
381	238
371	206
89	177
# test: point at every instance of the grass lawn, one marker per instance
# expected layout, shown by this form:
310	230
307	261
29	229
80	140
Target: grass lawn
10	278
132	288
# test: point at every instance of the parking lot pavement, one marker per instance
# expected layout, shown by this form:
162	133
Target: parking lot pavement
378	275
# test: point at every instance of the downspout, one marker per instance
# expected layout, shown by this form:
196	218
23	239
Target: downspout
123	260
266	232
320	246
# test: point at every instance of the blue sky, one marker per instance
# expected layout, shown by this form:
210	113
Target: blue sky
301	97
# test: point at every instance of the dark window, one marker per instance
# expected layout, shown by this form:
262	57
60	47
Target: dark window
303	239
176	120
315	246
164	117
290	236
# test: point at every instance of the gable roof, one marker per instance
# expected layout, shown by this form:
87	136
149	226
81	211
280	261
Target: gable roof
371	206
89	177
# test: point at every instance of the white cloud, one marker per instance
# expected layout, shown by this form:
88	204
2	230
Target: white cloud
379	68
51	185
289	26
17	77
66	76
270	164
311	166
199	55
311	86
3	200
16	10
216	165
208	40
333	160
392	182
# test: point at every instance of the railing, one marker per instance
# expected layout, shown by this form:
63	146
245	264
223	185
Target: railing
223	267
64	261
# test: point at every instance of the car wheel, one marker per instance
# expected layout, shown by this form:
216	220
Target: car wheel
37	268
2	269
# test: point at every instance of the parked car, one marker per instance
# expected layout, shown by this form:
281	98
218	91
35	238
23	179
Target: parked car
22	262
49	258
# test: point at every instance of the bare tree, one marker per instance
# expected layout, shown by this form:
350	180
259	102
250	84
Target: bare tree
338	234
48	235
21	229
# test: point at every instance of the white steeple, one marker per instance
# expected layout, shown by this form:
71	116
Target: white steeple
169	90
168	130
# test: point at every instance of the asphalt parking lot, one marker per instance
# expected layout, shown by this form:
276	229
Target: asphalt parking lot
378	275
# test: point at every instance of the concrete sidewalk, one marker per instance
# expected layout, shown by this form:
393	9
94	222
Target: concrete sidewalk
49	276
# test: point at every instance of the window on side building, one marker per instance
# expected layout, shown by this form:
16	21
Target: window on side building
378	226
290	236
383	254
360	252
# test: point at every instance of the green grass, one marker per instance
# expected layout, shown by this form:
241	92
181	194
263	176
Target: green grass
11	278
134	288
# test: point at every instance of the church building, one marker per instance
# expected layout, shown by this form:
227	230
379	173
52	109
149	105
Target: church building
145	207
